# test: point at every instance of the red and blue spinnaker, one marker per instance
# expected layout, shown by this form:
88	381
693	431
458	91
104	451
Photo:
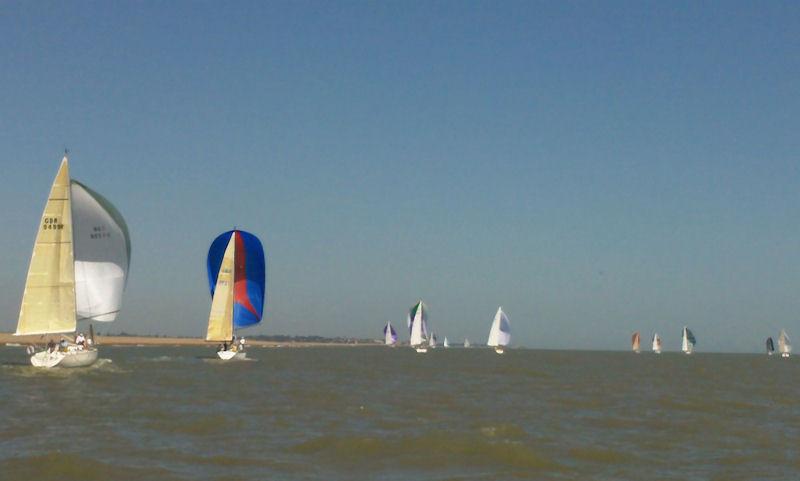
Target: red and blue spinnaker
249	275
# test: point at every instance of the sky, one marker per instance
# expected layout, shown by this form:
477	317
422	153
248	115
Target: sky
595	168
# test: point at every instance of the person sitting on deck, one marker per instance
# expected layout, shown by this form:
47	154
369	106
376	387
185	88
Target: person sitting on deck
51	346
241	344
80	340
63	345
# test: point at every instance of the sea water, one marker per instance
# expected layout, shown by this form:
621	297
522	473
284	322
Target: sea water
347	413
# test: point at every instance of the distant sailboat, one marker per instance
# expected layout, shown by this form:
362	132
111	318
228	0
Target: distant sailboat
466	343
432	341
418	327
784	344
78	269
500	332
770	346
389	335
687	341
236	279
635	339
656	343
446	344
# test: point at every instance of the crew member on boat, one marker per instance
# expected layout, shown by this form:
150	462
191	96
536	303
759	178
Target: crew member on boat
241	344
80	340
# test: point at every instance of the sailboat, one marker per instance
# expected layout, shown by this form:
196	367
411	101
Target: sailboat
418	327
78	270
500	332
656	343
432	341
466	343
770	346
687	341
784	344
236	279
635	339
445	344
389	335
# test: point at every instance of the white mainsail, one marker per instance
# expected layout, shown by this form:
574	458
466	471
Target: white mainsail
687	341
500	332
466	342
220	319
784	344
48	302
635	342
418	325
390	338
656	343
102	252
445	343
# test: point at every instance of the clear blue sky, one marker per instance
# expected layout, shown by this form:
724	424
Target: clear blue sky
593	167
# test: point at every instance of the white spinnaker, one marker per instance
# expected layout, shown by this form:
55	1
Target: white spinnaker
500	332
102	254
417	334
656	342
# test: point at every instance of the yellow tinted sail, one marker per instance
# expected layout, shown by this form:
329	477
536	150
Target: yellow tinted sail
48	303
220	320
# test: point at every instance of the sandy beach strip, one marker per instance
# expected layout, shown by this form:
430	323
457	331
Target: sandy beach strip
9	338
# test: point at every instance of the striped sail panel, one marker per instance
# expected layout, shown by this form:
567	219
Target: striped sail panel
102	250
220	319
48	302
249	275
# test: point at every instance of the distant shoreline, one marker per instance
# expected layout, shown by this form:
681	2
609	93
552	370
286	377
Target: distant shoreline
9	338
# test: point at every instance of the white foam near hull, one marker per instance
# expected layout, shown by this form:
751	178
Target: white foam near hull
72	358
229	355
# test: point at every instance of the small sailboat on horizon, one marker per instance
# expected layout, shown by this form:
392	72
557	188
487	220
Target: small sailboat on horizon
236	279
78	271
784	344
500	332
687	341
467	345
770	346
418	327
635	340
389	335
432	342
445	344
656	343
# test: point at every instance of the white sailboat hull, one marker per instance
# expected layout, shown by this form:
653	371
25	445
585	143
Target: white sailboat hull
784	354
499	350
72	358
421	350
231	355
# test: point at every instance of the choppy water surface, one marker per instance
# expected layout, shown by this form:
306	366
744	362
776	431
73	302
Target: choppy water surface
390	414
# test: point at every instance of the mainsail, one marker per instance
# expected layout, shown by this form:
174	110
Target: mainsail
656	343
389	335
688	341
784	343
445	343
220	319
48	302
635	340
500	332
247	286
417	324
432	340
770	346
466	342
